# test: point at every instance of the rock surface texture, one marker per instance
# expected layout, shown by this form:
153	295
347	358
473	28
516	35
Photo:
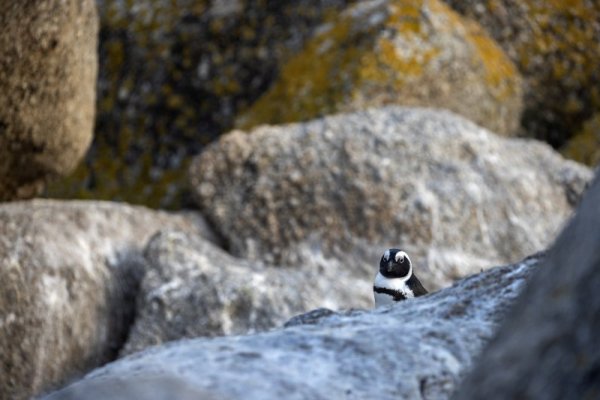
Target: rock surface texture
69	272
414	349
48	66
193	288
406	52
548	346
173	75
555	46
454	196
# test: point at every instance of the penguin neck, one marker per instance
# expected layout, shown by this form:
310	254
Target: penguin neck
402	279
391	282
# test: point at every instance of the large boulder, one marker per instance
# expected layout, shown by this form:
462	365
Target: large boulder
554	44
414	349
406	52
48	66
455	196
548	347
193	288
173	75
69	274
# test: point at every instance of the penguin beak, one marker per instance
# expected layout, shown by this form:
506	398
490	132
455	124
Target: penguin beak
390	267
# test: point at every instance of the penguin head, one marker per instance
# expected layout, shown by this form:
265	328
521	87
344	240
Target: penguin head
395	264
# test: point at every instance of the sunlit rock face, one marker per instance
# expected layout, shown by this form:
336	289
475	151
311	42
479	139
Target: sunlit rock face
48	67
404	52
453	195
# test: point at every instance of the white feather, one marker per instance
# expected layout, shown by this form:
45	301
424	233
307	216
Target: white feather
398	284
386	255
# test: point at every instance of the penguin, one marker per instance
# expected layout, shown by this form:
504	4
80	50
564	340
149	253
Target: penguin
396	279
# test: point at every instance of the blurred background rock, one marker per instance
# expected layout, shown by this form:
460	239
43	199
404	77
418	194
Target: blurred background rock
555	46
173	76
287	217
176	75
48	69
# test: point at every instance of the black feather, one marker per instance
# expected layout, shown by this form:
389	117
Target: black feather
415	285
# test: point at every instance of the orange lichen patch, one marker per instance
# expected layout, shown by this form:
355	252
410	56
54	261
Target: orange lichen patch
499	70
570	48
311	83
405	16
567	7
385	66
555	46
392	53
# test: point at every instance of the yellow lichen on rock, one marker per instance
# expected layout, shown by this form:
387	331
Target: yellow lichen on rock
555	46
319	74
408	52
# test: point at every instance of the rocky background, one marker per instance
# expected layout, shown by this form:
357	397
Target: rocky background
292	143
175	76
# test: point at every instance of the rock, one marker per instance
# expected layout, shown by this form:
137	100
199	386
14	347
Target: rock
69	273
414	349
162	387
452	194
548	346
310	318
48	66
173	75
405	52
585	145
554	44
192	288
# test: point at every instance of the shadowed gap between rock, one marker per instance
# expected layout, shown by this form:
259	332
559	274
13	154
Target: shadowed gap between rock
128	275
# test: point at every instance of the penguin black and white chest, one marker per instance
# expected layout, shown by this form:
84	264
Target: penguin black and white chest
396	279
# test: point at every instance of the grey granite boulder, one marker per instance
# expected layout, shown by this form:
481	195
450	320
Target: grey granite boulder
48	67
69	273
193	288
548	348
455	196
414	349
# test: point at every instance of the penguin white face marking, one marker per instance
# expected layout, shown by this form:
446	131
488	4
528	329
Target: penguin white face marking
400	257
395	263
